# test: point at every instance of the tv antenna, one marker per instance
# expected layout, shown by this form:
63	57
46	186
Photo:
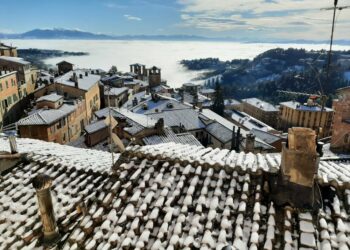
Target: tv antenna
334	8
112	123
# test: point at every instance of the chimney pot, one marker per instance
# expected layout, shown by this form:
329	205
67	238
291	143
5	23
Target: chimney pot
250	143
42	185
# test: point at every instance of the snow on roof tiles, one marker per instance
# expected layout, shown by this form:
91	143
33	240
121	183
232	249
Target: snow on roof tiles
156	202
137	122
170	136
18	60
47	116
84	83
116	91
51	98
265	106
303	107
96	126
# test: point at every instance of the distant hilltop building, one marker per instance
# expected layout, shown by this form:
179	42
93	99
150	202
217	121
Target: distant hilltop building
64	67
139	70
154	76
7	50
308	115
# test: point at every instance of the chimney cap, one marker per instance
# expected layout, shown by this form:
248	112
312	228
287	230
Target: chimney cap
41	182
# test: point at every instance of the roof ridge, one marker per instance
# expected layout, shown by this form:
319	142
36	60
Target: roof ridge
38	113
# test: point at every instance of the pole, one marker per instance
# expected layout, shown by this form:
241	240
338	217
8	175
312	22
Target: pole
110	126
233	141
331	43
323	97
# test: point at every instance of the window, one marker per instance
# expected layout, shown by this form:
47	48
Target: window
9	100
90	103
0	86
20	94
346	138
14	97
12	82
4	103
7	84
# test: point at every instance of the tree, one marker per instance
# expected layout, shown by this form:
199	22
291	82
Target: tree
113	70
218	105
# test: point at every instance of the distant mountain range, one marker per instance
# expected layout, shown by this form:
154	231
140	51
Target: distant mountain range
83	35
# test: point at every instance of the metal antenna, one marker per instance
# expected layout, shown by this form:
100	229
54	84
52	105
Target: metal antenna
110	125
324	98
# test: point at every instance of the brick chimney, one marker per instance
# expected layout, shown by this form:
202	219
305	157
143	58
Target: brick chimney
295	184
299	158
42	185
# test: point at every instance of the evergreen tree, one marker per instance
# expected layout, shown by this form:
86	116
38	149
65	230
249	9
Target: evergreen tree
218	105
113	70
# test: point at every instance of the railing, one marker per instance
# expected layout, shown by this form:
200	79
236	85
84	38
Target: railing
9	127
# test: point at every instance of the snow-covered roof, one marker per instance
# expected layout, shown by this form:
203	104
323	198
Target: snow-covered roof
64	62
186	117
84	83
163	104
207	91
248	121
170	136
54	97
136	122
4	46
298	106
47	116
18	60
265	136
231	102
116	91
165	196
96	126
260	104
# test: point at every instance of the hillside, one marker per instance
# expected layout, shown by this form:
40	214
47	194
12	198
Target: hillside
37	56
273	70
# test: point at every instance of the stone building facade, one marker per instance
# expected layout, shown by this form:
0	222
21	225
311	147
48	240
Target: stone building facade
261	110
26	74
62	125
76	84
306	115
341	121
9	95
7	50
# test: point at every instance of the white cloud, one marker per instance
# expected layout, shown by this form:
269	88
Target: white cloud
132	18
110	5
6	31
292	18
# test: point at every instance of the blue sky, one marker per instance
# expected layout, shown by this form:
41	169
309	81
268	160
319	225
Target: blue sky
247	19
